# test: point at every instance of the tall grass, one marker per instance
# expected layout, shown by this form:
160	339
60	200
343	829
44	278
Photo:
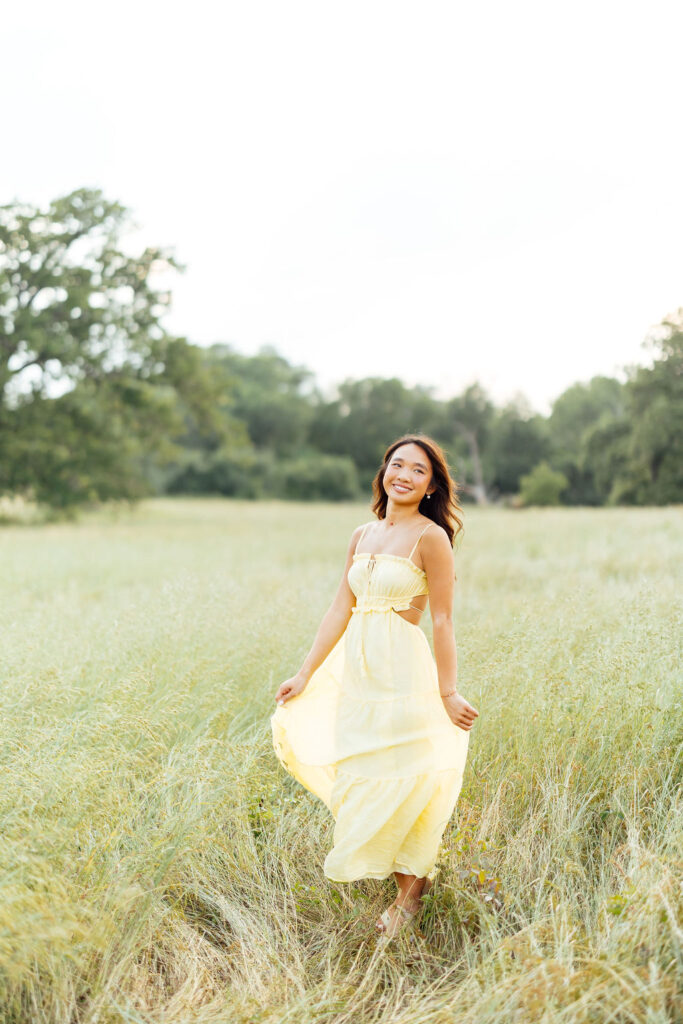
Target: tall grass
157	864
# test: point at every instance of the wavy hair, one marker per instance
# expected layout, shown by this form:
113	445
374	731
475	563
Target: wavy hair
443	507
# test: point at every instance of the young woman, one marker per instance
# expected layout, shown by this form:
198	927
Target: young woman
371	723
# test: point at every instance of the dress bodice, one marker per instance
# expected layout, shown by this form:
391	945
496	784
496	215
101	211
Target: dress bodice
381	582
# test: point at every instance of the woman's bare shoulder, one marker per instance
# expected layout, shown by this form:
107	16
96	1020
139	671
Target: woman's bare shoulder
436	529
436	539
358	533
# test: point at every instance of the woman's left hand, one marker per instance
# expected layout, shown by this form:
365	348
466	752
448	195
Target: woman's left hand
460	712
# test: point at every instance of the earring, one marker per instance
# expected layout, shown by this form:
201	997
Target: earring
429	495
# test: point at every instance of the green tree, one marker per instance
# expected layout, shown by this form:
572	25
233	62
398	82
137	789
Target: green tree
518	442
577	418
212	450
634	452
273	399
88	445
318	477
470	416
543	486
655	409
606	456
82	394
234	472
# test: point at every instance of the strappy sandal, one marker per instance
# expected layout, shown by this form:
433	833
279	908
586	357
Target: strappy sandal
404	922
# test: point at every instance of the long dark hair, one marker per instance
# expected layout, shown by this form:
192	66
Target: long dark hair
442	507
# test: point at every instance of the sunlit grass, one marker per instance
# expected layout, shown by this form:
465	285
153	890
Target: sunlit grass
157	864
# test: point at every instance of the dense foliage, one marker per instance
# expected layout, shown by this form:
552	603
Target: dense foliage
97	401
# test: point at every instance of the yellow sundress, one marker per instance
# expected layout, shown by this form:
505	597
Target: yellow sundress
369	734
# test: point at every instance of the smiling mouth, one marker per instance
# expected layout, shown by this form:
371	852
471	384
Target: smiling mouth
398	487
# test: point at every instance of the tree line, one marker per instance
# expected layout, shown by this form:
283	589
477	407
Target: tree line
98	401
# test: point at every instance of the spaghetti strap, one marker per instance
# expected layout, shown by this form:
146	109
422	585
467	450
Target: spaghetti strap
410	556
361	537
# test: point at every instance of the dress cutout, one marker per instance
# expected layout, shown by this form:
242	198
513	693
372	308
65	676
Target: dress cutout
369	734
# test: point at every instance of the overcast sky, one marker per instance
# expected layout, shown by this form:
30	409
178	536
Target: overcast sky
443	192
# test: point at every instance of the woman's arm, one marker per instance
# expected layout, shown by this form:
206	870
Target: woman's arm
437	558
333	624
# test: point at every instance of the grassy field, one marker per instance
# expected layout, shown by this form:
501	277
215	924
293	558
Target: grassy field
157	863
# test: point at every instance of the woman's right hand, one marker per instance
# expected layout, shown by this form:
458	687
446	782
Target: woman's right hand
290	688
459	711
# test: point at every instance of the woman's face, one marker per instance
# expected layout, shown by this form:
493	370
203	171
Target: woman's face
408	476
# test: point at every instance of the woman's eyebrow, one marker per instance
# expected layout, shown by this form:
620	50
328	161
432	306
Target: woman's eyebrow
397	458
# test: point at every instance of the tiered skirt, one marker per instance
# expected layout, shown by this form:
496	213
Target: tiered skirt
370	737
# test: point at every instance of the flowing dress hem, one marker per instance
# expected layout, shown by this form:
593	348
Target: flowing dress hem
402	869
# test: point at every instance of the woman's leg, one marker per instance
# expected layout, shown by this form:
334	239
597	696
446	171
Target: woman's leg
409	891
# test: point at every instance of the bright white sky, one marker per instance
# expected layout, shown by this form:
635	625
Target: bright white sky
443	192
